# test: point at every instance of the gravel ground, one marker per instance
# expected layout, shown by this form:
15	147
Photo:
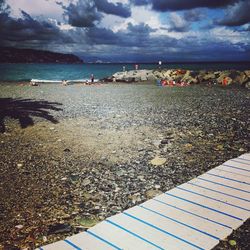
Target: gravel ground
72	156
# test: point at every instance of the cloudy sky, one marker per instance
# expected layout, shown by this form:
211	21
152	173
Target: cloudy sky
130	30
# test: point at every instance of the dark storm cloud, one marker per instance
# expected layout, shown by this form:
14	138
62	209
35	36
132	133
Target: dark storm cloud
135	36
87	13
162	47
168	5
26	30
117	9
140	2
237	14
82	13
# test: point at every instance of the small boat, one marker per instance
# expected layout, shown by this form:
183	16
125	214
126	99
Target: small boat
34	81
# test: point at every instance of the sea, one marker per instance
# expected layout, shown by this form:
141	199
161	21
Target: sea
26	72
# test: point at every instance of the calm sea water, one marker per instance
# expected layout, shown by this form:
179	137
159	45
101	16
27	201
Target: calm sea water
18	72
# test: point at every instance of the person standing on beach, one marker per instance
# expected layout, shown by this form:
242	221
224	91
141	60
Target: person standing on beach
92	78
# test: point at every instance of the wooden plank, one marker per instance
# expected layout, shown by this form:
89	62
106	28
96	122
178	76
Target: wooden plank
245	156
90	242
62	245
161	239
234	171
224	199
237	164
199	210
117	235
192	237
233	212
221	188
201	224
227	183
238	178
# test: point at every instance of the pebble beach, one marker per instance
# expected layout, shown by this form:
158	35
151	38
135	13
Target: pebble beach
74	155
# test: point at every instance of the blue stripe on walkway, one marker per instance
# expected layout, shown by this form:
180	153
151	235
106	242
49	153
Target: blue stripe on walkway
223	170
209	208
211	198
134	234
216	191
181	223
241	162
243	159
199	216
163	231
230	179
229	166
105	241
223	185
72	244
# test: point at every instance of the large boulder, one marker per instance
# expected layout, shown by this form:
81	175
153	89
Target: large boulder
209	76
247	85
247	73
222	76
241	78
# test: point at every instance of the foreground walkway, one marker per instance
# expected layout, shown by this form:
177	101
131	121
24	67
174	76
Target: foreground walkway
194	215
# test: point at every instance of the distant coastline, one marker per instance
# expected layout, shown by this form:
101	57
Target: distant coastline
13	55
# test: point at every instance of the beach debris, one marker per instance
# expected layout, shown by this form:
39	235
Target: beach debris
135	198
19	227
152	193
19	165
86	182
59	228
232	243
158	161
87	222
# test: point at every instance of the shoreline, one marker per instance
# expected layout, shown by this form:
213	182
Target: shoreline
185	76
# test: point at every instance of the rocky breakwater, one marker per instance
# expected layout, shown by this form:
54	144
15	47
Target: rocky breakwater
132	76
225	77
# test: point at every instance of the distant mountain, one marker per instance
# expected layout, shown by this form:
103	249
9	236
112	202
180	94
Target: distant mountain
13	55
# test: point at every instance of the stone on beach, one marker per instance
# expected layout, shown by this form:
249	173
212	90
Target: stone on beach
158	161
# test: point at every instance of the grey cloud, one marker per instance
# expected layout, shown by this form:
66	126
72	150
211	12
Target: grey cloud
82	13
168	5
114	9
87	13
140	2
236	15
193	15
135	35
140	28
178	24
28	31
4	8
